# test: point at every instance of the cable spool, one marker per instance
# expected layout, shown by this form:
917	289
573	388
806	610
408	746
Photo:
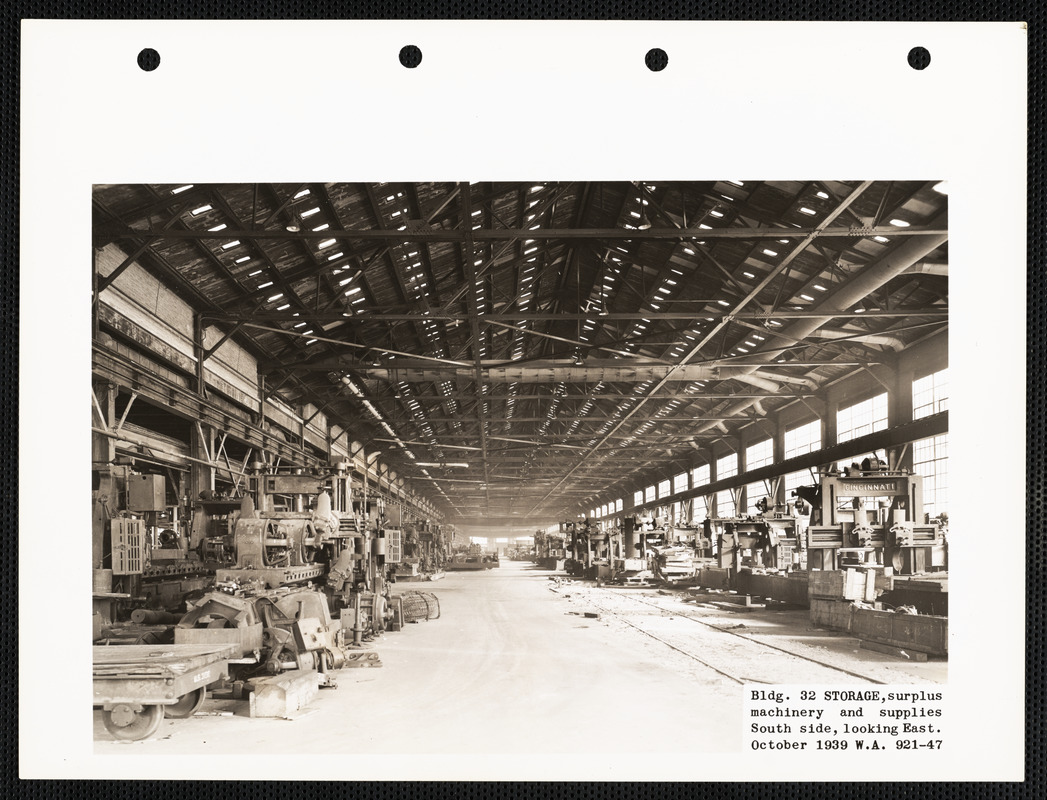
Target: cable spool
378	546
420	606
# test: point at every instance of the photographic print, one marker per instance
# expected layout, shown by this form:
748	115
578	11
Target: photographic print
423	435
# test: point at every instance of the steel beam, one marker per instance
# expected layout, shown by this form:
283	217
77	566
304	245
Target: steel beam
453	235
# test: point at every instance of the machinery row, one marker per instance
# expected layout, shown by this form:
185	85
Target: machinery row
864	516
265	594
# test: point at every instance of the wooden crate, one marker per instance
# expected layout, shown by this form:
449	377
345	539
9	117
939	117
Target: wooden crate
920	632
835	614
836	584
784	588
714	578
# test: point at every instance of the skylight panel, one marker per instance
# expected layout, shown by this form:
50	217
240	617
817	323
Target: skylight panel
230	245
333	256
716	213
319	228
808	211
807	297
310	212
768	252
266	285
284	307
748	275
326	243
252	274
242	259
881	239
217	228
820	288
737	183
823	195
301	194
899	223
202	210
275	297
181	189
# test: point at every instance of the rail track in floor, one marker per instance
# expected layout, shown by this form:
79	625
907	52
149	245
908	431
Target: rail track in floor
764	662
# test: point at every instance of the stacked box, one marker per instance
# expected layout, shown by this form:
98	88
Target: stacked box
837	584
835	614
714	578
919	632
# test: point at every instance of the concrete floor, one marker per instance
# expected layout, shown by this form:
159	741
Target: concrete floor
514	660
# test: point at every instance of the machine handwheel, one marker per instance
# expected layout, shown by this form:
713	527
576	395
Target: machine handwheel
187	705
123	722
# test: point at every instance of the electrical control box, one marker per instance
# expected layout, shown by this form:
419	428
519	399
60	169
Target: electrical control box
146	493
128	540
393	546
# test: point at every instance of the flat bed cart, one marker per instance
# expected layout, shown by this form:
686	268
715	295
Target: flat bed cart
136	684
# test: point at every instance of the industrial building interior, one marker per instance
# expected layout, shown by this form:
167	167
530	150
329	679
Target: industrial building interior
354	441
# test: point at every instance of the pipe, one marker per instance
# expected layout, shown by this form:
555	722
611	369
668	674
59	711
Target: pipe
891	265
884	340
759	382
562	372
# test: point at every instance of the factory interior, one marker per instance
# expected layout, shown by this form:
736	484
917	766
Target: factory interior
479	455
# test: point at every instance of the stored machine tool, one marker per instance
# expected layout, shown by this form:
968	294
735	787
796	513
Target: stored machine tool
867	513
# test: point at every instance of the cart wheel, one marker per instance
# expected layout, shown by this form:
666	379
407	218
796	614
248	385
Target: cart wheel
187	705
130	725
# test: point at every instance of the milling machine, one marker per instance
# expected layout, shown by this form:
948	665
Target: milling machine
869	514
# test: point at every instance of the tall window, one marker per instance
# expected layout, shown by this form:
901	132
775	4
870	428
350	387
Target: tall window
931	394
862	418
754	492
727	466
759	455
618	505
803	439
637	498
699	509
803	477
680	483
930	458
725	504
664	489
700	475
649	494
